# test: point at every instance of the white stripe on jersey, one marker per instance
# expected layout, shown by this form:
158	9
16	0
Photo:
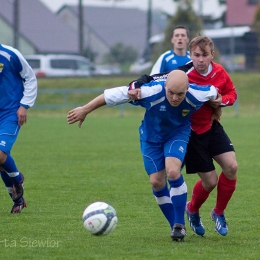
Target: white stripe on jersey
203	96
5	54
160	100
147	91
169	57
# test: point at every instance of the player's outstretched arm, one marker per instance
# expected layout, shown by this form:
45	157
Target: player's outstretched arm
79	114
111	97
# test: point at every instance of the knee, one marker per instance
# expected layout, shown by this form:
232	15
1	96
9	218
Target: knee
210	182
157	184
231	171
210	185
173	174
233	168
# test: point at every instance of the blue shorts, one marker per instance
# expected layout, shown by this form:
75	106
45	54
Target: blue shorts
154	154
8	135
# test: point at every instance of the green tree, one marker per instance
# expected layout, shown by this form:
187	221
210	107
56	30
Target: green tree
185	15
121	54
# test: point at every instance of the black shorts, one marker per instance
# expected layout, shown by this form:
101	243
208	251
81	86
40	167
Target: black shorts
202	148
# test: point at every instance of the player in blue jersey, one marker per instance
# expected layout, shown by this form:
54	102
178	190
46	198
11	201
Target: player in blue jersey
18	91
164	134
179	56
208	141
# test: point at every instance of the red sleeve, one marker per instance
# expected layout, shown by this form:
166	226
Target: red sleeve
228	91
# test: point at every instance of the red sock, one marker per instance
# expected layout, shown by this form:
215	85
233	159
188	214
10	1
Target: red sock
199	196
225	190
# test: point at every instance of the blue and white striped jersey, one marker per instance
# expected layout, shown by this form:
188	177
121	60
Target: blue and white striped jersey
169	61
161	120
18	84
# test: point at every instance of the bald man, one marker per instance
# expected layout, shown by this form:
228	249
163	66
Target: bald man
164	134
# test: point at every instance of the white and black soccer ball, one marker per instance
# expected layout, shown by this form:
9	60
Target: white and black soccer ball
99	218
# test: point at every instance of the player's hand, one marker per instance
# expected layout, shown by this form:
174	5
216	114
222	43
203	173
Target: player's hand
217	102
134	94
22	115
76	115
140	81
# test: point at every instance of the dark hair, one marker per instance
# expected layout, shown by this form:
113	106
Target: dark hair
181	27
202	42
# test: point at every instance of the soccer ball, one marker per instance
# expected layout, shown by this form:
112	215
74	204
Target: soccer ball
99	218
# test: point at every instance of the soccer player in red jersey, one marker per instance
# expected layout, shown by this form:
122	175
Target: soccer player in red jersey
209	141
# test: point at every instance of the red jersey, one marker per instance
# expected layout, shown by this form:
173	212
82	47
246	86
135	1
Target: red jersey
218	77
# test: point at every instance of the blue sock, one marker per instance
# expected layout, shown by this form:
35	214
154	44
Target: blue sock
178	193
11	169
164	201
8	182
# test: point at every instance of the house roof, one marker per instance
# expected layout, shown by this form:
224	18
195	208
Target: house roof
42	28
240	12
125	25
227	32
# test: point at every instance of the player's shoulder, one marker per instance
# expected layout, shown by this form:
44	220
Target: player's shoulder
156	82
9	51
154	87
218	67
219	70
187	67
152	91
167	54
194	86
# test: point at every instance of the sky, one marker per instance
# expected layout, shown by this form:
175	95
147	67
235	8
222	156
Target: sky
209	7
54	5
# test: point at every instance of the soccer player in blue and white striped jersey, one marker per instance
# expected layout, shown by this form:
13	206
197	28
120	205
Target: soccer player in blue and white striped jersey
179	56
164	134
18	91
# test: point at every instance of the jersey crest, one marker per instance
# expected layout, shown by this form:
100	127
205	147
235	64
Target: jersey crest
185	112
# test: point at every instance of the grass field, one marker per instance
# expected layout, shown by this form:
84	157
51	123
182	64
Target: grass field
67	168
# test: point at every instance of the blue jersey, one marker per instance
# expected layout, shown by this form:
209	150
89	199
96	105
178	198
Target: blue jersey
18	84
169	61
161	120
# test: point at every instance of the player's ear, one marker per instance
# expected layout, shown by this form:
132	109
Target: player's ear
212	54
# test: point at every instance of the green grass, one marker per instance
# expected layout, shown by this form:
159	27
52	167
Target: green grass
67	168
247	85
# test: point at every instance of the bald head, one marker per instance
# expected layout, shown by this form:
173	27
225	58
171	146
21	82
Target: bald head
177	79
176	86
